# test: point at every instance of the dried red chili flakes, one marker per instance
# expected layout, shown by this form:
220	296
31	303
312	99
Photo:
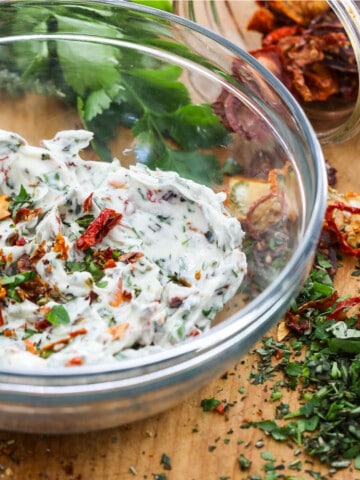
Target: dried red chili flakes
74	361
99	228
61	247
320	304
34	289
39	253
104	258
24	264
130	257
88	203
26	214
61	342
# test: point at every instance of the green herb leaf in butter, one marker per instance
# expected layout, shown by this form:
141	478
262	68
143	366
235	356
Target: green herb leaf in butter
58	315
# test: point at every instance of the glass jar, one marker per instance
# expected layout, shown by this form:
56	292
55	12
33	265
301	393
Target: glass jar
336	118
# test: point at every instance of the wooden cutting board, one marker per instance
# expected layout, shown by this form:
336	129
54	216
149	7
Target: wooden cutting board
199	445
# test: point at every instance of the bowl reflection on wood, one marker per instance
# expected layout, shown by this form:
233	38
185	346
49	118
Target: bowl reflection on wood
216	116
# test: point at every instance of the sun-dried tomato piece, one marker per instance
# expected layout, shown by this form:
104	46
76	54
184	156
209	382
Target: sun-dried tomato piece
296	322
346	226
99	228
297	11
265	213
299	322
262	21
42	324
271	58
316	56
340	310
319	304
282	32
235	117
120	295
38	253
62	342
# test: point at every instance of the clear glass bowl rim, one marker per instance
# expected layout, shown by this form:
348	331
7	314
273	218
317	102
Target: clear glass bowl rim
190	354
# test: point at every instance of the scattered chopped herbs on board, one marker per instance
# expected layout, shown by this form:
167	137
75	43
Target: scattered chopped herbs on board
244	462
319	358
327	423
166	462
159	476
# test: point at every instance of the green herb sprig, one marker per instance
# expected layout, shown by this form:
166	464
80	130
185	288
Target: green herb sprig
112	86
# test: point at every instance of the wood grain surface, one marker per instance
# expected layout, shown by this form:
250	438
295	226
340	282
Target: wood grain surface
201	445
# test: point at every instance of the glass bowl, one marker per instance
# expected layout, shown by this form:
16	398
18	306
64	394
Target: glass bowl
62	65
336	115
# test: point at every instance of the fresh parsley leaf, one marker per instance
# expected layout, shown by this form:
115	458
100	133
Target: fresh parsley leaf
118	86
58	315
208	404
17	279
95	72
158	91
23	198
349	345
244	462
200	167
196	126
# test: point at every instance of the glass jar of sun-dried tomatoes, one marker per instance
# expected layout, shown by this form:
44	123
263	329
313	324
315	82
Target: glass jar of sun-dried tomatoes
313	46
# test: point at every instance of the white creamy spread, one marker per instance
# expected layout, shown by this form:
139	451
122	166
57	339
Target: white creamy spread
99	262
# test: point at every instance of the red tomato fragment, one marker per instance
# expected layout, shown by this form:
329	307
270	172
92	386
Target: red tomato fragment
99	228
